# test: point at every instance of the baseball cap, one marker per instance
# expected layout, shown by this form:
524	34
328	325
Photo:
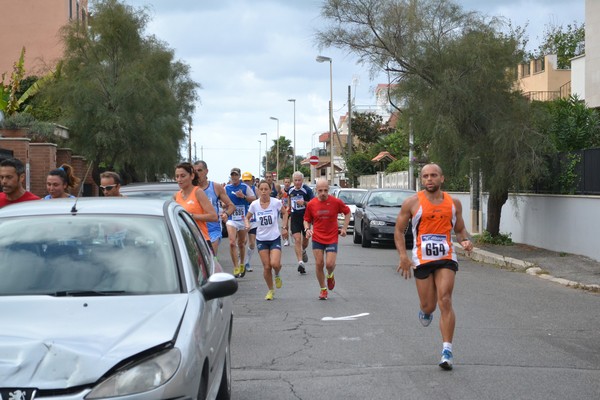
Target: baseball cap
235	171
247	176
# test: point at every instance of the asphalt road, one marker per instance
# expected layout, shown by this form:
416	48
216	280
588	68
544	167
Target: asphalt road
517	337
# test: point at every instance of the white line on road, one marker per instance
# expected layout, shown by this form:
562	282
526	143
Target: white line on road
348	318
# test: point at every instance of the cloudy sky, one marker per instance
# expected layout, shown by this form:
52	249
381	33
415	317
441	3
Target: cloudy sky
251	56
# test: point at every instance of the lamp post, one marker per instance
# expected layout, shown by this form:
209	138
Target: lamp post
294	162
328	59
259	155
266	152
277	147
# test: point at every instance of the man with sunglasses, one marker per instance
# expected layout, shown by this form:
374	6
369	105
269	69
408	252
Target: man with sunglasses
110	184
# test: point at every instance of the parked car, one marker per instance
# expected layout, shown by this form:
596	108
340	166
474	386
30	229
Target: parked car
111	297
375	217
152	190
159	190
350	197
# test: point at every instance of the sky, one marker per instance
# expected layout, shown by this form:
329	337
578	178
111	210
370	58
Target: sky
252	56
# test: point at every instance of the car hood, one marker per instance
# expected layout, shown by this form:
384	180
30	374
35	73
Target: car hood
388	214
54	343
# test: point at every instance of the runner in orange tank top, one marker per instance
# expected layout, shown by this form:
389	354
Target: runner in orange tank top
434	214
195	201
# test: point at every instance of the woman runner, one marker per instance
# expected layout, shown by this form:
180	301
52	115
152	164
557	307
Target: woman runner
268	239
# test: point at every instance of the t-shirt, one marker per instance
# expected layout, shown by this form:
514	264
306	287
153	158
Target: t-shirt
241	204
27	196
323	215
49	197
304	193
267	219
432	225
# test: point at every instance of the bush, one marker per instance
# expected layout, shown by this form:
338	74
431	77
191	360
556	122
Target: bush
501	239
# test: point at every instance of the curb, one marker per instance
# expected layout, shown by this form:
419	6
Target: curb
513	264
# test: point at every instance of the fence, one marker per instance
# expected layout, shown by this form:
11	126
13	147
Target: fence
397	180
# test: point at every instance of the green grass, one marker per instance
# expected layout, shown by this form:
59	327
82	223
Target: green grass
501	239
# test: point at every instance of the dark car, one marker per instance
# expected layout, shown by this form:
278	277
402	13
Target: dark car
375	217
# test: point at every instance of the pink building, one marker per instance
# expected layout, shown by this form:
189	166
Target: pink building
35	25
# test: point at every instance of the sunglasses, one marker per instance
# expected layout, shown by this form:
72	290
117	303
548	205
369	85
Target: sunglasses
107	188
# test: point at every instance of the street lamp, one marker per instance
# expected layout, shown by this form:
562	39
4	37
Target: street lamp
328	59
294	101
259	155
277	147
266	152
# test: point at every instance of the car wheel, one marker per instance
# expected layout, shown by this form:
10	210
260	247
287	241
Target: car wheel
366	240
203	389
225	386
355	235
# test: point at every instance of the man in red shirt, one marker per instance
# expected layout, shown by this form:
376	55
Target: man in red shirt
12	175
322	213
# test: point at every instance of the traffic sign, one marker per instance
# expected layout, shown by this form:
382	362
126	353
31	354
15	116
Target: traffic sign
314	160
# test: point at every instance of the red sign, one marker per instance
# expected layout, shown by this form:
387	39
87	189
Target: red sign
314	160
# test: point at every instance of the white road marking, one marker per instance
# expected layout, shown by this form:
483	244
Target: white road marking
348	318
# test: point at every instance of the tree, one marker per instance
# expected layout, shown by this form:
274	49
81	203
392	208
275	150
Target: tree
573	126
123	96
451	68
286	157
566	42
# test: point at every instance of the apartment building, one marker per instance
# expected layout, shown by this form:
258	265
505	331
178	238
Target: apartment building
35	25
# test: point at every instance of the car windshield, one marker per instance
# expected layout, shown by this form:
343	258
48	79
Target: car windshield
70	255
388	199
351	196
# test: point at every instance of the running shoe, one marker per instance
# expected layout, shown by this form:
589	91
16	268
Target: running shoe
269	295
236	272
323	294
446	362
301	269
304	256
278	282
242	270
248	267
425	318
286	243
330	282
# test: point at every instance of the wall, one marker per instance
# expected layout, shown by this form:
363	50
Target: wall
592	53
556	222
559	223
578	77
34	24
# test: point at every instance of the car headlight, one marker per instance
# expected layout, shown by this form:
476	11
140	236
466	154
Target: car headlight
141	377
377	223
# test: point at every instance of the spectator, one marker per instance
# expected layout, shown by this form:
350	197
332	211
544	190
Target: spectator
12	175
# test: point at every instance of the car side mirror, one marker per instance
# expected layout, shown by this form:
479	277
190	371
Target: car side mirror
359	205
219	285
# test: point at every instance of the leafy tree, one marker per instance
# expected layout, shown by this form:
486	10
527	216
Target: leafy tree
566	42
286	157
122	94
450	67
573	126
369	128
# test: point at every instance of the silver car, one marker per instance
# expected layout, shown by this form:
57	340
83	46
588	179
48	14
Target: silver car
350	197
111	297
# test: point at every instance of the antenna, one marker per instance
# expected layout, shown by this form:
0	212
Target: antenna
74	208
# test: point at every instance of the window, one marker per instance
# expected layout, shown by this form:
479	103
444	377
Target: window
196	255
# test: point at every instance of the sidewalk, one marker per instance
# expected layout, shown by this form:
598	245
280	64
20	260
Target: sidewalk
566	269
